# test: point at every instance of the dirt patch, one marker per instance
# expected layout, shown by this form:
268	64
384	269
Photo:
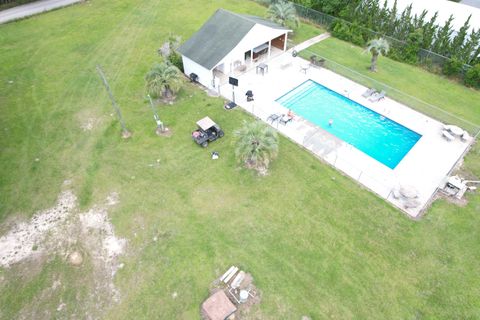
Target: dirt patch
459	202
165	133
89	124
26	239
63	231
89	119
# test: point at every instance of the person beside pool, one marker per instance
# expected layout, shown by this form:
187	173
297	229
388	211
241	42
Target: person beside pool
330	122
290	114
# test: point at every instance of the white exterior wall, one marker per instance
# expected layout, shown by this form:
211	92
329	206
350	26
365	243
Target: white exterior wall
258	35
205	76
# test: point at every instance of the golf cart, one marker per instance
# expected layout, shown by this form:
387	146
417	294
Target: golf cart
207	131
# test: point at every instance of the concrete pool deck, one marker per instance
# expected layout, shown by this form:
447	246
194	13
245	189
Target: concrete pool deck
424	168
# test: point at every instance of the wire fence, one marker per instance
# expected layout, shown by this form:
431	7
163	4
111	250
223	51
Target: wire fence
324	147
415	103
426	58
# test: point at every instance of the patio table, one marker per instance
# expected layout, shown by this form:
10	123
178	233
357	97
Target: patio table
456	130
409	192
262	67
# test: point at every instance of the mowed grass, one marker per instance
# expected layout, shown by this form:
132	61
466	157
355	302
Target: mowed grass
315	242
431	89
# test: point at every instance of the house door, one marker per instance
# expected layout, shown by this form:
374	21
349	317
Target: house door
248	56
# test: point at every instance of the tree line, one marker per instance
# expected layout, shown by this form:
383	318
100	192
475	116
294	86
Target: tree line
363	20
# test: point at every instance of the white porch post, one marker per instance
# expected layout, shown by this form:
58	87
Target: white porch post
251	56
269	48
285	42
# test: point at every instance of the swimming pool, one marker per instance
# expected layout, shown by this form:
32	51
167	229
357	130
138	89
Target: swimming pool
379	137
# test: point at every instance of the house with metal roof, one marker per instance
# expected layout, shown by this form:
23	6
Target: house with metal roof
228	43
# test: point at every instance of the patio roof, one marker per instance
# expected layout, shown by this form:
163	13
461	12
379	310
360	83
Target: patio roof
220	35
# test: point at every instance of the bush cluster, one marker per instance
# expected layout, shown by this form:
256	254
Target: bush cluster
472	76
411	36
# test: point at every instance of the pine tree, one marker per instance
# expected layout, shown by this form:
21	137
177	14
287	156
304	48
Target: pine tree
429	32
392	20
443	38
405	26
468	50
456	45
419	21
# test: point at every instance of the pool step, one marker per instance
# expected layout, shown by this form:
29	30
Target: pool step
297	94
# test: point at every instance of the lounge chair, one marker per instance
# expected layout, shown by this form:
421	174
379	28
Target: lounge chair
447	135
465	136
274	117
285	119
447	127
368	93
378	96
396	193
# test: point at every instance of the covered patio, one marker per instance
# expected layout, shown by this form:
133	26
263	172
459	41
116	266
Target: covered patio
229	44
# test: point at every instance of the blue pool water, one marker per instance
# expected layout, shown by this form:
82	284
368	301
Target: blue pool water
379	137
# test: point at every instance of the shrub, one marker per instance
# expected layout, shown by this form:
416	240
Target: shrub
348	32
452	67
176	59
411	49
472	76
168	51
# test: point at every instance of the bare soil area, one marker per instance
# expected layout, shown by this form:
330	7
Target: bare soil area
83	240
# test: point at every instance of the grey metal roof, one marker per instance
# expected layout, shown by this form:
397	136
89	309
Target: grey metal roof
219	35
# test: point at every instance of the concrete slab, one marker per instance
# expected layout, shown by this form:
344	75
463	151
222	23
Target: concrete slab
425	166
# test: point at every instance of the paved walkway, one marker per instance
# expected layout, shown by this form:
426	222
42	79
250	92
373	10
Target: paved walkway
33	8
310	42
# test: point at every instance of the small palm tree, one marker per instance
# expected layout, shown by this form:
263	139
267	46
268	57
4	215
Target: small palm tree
283	13
377	47
163	80
256	145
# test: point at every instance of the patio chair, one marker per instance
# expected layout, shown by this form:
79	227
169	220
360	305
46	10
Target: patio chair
249	95
368	93
377	97
465	136
411	203
274	117
285	119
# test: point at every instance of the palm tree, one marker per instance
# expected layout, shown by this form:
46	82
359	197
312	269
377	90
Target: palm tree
283	13
163	80
377	47
256	145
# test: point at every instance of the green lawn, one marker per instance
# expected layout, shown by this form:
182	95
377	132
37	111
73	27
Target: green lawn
432	89
315	242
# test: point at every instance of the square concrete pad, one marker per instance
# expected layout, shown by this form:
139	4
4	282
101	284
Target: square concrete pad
218	306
